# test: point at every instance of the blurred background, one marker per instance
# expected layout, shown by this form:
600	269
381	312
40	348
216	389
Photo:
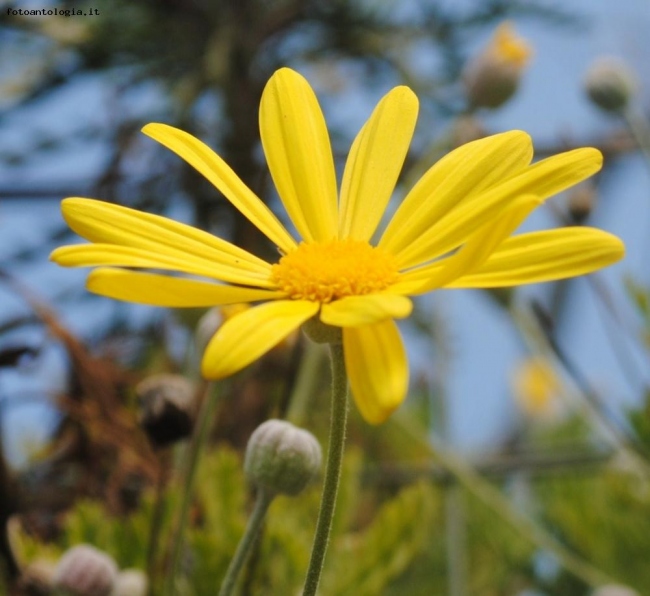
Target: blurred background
524	444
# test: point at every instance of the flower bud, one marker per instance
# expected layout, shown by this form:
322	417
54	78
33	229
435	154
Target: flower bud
536	387
466	129
207	326
614	590
37	578
581	202
493	76
85	571
610	84
131	582
282	458
167	407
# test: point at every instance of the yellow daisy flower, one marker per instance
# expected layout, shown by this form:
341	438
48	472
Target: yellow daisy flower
452	230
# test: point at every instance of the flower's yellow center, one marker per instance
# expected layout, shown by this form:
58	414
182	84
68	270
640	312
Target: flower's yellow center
330	270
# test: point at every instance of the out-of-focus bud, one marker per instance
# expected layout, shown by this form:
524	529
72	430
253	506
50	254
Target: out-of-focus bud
610	84
492	77
38	577
210	322
614	590
581	202
467	129
131	582
85	571
167	407
206	328
536	388
282	458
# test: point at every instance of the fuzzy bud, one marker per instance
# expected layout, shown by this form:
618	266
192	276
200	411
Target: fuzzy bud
610	84
282	458
581	202
131	582
167	407
536	387
85	571
614	590
37	578
493	77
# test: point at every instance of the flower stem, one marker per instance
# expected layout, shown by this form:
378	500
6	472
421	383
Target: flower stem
255	521
199	438
333	469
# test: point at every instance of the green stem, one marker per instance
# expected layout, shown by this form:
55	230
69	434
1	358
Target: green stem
640	128
247	540
307	383
199	438
333	470
156	526
491	496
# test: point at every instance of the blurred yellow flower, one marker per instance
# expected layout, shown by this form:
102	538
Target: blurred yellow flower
452	230
493	76
536	387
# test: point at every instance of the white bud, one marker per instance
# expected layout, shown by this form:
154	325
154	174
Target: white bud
282	458
85	571
614	590
610	84
131	582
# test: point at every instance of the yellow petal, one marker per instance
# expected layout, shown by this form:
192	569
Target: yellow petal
163	290
375	162
542	179
94	255
377	367
249	335
460	175
545	256
297	148
473	253
102	222
355	311
219	173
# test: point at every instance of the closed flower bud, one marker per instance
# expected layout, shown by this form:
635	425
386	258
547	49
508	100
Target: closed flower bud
282	458
85	571
167	407
493	76
131	582
536	388
581	202
37	578
614	590
207	326
610	84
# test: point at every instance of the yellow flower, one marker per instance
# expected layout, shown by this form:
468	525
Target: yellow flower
452	230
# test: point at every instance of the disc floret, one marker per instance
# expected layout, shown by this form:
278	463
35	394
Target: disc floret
327	271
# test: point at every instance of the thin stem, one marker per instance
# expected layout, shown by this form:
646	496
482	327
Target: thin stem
534	532
333	470
640	128
253	528
199	438
156	524
307	383
491	496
